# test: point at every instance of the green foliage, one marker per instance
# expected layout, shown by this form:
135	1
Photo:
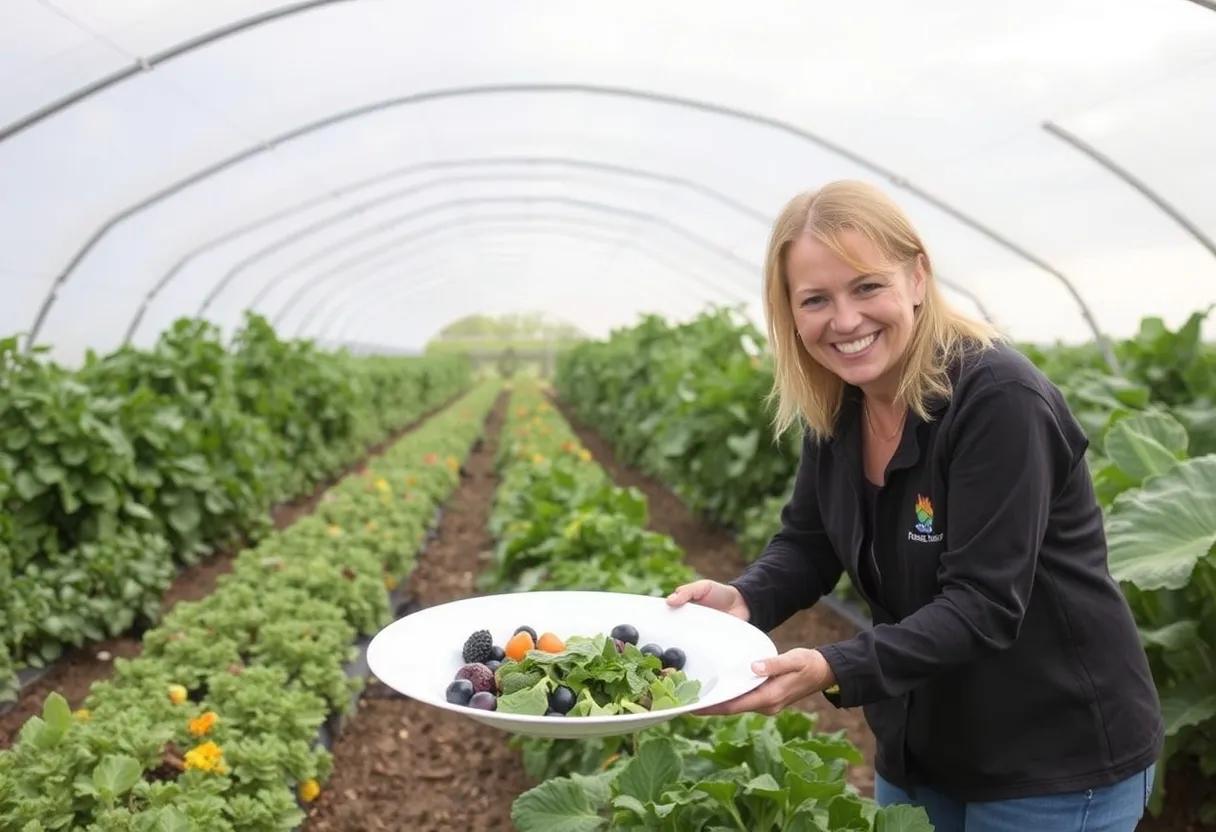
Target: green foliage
745	772
143	459
264	653
687	404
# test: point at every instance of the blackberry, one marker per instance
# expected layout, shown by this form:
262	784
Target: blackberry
478	648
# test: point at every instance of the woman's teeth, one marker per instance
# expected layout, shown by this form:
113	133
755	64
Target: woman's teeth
850	347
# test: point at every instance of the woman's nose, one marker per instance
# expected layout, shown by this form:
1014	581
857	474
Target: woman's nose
846	318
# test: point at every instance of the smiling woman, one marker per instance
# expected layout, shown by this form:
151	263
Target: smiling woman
944	473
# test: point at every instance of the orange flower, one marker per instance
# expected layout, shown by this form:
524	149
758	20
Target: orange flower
431	458
202	724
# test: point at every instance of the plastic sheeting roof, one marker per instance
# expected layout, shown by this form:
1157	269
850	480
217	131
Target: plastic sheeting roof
367	170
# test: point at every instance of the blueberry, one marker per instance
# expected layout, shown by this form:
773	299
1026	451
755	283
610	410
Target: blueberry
653	650
561	700
460	692
625	632
497	654
484	701
528	630
673	657
493	664
552	712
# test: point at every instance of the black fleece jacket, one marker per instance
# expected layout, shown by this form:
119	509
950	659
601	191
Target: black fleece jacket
1004	661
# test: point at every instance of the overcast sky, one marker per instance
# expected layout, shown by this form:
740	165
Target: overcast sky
625	195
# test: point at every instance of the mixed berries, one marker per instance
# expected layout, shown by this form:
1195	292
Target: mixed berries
491	672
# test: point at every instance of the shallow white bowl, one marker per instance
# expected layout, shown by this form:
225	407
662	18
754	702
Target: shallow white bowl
418	655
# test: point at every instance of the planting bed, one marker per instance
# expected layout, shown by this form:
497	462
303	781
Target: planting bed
399	764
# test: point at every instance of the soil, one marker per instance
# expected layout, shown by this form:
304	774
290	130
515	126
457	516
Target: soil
713	552
399	764
76	671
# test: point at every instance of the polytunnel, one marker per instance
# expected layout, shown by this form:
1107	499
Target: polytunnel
388	440
367	171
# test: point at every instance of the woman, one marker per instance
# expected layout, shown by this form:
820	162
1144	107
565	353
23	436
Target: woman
1003	677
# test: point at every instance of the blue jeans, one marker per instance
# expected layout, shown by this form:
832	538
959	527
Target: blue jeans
1114	808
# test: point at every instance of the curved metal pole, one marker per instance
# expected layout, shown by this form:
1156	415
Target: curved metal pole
651	220
363	301
146	64
585	89
1143	189
506	222
324	222
311	202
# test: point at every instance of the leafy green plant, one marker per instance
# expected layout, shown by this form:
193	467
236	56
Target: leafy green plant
747	772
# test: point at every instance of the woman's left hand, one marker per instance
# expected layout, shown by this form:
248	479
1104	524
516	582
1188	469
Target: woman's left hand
791	676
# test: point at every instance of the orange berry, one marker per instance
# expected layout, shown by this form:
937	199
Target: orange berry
518	646
550	643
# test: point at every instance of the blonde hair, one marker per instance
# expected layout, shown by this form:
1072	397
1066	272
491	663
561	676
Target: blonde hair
940	336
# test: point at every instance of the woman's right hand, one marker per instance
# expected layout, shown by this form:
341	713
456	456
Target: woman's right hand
711	594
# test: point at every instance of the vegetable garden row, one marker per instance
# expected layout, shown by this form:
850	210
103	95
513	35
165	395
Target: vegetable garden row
687	404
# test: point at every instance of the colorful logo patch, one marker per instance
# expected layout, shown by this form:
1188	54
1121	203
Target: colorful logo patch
924	514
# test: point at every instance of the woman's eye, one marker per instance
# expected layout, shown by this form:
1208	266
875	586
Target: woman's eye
867	288
813	300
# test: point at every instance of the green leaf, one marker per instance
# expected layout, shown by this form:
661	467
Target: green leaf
1146	444
172	819
56	713
184	517
116	774
902	819
656	766
1175	636
1186	705
1158	533
137	510
533	701
100	492
557	805
27	486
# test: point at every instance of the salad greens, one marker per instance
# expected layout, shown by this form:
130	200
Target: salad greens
605	682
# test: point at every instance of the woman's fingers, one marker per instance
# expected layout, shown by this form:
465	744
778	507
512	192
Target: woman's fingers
695	591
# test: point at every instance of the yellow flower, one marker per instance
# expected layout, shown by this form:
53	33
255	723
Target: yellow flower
538	458
177	694
334	530
82	714
453	463
382	485
390	582
584	455
207	757
411	481
202	724
309	789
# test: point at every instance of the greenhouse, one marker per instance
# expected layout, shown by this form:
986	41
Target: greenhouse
346	341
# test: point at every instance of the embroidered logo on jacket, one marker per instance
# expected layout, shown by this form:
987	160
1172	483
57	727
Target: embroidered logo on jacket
924	521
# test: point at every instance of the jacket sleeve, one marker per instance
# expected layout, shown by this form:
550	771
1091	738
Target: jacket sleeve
1009	457
799	565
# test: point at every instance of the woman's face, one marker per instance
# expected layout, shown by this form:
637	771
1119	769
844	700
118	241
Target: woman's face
856	324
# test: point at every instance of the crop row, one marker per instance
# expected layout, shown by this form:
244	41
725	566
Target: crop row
214	725
687	404
561	524
114	474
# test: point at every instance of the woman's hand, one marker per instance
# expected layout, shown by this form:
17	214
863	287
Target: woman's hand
711	594
791	676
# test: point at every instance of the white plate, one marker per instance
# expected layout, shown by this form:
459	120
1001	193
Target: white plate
418	655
